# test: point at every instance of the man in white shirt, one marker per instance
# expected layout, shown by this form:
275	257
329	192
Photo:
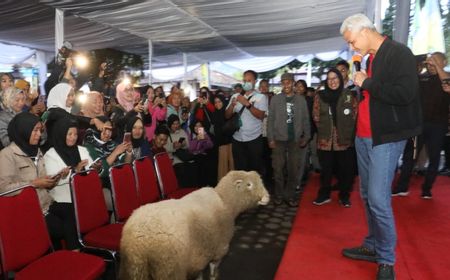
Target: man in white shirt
247	145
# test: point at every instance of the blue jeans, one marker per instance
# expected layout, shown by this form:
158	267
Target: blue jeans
376	166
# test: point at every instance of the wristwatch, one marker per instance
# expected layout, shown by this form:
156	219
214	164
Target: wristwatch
249	106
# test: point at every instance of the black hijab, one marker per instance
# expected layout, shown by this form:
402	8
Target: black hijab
331	96
70	155
129	128
19	132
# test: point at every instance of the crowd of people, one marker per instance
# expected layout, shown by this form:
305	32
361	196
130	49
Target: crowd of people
282	136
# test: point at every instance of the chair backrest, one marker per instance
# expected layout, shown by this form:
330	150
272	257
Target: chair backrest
23	232
123	185
89	201
146	182
166	174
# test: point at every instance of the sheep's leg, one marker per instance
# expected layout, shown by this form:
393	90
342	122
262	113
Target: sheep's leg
214	270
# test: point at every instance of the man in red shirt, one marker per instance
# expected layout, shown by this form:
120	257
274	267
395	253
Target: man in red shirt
389	113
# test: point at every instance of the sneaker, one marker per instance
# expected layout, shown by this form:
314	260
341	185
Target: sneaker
277	200
322	200
399	193
345	202
426	195
360	253
292	202
385	272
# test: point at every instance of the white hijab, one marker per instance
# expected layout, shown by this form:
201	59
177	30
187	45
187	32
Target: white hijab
58	96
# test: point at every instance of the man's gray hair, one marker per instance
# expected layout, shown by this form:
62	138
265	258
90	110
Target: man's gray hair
356	23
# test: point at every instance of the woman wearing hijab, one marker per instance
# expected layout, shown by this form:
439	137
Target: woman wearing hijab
94	105
12	104
100	145
65	153
140	145
126	109
225	161
59	103
21	164
334	113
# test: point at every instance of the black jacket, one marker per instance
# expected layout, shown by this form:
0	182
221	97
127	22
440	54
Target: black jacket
395	110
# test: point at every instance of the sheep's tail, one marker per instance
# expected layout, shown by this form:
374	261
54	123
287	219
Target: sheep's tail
133	268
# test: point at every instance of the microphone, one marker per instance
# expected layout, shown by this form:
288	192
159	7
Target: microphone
357	62
357	66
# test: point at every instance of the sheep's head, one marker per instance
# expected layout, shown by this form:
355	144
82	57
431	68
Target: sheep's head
243	190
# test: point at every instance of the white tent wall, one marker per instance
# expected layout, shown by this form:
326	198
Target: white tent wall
256	34
206	30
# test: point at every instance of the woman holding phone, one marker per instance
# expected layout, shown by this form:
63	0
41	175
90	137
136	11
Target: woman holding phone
178	143
200	145
21	163
135	137
158	109
66	152
100	146
126	109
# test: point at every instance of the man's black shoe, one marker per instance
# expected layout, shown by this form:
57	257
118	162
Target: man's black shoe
360	253
385	272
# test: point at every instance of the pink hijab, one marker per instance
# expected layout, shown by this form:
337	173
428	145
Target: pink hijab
125	101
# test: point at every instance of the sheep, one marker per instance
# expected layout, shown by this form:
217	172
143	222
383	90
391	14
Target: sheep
176	239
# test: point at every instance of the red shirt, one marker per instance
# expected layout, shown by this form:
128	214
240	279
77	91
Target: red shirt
363	129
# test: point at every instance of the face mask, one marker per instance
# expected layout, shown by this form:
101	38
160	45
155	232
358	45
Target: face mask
247	86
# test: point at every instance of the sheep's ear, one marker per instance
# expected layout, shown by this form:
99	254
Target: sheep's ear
238	183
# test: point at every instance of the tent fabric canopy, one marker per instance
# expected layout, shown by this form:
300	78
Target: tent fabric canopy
223	30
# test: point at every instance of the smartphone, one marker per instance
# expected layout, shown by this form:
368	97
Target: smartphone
144	98
181	140
56	176
94	162
41	98
201	131
421	58
127	137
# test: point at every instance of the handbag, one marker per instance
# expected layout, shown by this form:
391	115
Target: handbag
234	123
211	125
183	154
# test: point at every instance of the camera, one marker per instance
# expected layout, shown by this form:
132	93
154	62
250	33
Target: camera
421	62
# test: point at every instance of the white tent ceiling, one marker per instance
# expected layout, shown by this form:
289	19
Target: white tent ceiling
203	29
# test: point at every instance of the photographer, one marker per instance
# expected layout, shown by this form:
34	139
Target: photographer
104	80
61	69
435	107
98	83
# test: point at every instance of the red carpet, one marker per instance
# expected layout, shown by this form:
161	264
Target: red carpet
319	233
